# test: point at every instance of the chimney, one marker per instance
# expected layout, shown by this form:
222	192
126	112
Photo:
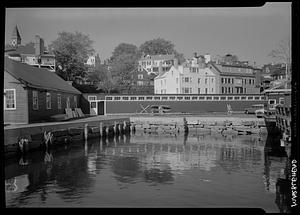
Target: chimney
207	58
39	45
175	63
160	67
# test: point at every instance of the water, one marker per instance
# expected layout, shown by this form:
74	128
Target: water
150	171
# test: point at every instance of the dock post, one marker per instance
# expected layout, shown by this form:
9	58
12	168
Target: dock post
185	125
106	131
115	128
101	129
124	126
85	131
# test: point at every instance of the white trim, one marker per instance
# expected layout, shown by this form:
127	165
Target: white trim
15	100
37	102
59	103
48	108
89	98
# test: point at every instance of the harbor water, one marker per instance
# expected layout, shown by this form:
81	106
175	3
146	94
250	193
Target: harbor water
150	170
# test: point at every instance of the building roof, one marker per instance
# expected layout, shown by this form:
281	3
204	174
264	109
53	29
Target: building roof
37	77
216	67
158	57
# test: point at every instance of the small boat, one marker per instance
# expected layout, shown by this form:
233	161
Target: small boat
160	108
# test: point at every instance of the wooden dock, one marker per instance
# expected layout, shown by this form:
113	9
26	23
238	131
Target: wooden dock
32	136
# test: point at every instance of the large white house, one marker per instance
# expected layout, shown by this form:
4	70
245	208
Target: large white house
151	63
193	77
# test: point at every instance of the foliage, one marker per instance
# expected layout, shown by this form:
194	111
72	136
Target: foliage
282	53
123	61
160	46
102	78
71	51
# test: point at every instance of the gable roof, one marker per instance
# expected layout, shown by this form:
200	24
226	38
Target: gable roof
218	68
159	57
36	77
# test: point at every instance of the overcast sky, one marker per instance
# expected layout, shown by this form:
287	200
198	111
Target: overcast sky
249	33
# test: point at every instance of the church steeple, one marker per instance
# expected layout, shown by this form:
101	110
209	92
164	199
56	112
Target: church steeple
15	37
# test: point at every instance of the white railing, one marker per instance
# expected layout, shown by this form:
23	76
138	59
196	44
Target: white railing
219	97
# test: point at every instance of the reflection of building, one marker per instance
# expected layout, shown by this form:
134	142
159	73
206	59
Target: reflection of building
34	54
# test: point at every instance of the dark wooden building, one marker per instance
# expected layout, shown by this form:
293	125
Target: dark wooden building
33	94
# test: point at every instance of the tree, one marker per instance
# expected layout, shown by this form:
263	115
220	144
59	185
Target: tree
160	46
123	61
102	78
71	51
282	54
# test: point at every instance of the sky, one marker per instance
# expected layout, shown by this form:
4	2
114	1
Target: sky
250	33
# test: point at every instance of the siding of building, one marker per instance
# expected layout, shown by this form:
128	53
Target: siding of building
43	114
20	114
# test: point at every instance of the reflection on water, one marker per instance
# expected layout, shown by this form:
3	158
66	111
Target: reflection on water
151	170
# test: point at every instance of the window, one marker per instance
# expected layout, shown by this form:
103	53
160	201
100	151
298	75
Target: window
212	90
191	90
228	80
58	101
186	90
249	81
186	79
199	90
205	80
140	76
194	98
281	101
125	98
176	90
205	90
35	105
222	80
223	98
9	99
222	89
75	101
117	98
201	98
140	83
141	98
187	98
132	98
90	98
272	103
149	97
212	80
48	100
216	98
199	80
156	98
108	98
229	89
68	102
172	97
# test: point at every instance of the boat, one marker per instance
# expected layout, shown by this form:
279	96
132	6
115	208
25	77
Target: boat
276	96
160	108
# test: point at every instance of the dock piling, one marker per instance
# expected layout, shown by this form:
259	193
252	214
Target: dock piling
85	131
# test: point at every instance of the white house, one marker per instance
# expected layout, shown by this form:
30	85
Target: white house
193	77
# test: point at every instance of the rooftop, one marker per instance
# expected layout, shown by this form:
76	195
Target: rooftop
37	77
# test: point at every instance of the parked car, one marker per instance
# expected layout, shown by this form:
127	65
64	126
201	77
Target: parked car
253	108
260	113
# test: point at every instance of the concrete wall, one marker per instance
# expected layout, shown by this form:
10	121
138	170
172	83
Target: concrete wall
113	107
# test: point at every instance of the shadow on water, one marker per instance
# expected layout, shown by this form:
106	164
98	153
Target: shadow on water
72	171
275	158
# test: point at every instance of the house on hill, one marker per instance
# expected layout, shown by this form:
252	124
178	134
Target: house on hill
34	94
